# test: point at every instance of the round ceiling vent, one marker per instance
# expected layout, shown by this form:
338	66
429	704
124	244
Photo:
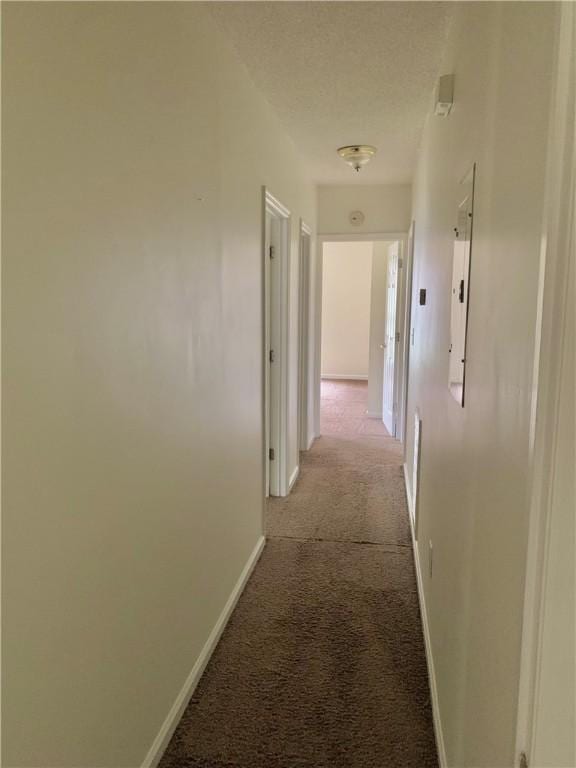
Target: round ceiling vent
356	218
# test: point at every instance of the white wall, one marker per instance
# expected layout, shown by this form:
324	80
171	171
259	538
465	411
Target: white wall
378	298
555	705
134	151
547	732
386	208
346	277
474	460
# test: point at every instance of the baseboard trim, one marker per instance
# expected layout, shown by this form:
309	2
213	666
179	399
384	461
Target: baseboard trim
293	478
438	732
173	718
343	377
311	442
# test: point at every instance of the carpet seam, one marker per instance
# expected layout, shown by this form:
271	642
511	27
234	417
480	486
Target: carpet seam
316	540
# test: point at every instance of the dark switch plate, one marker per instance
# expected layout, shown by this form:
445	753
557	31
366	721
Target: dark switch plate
422	296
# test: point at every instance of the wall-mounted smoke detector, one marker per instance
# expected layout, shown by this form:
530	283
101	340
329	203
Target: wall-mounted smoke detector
357	155
444	95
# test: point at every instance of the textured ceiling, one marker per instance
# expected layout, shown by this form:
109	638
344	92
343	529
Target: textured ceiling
343	73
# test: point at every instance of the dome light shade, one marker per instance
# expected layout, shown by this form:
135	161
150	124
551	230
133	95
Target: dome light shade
357	155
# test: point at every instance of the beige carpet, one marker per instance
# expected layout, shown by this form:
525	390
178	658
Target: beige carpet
351	484
343	410
349	489
322	664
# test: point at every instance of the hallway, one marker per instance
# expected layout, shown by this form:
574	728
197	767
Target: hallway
212	214
322	663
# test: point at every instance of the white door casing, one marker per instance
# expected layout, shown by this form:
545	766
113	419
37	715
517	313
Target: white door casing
546	725
275	352
304	338
266	346
402	322
408	258
388	384
274	349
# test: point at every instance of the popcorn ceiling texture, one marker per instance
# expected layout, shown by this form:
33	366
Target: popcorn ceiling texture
340	73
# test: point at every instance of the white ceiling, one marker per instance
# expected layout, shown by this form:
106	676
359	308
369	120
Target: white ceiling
341	73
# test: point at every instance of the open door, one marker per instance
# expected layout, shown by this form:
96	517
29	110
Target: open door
273	342
276	299
388	384
304	338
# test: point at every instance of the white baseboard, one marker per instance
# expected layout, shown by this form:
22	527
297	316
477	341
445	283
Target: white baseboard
408	494
438	732
293	478
311	442
344	377
173	718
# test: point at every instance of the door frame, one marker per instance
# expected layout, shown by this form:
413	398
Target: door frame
400	373
304	314
407	313
388	338
558	241
276	481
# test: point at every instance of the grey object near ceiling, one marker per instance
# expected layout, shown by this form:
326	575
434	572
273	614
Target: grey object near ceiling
444	95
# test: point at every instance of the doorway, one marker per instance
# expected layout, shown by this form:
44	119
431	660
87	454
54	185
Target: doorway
276	270
391	339
305	363
362	316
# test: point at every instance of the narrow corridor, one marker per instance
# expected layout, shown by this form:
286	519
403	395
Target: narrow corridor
322	664
207	207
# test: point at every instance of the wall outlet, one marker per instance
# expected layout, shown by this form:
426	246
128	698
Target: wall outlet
430	557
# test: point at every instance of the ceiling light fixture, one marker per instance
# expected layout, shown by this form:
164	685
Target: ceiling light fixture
357	155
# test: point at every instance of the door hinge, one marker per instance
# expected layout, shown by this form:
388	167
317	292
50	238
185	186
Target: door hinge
523	760
400	263
271	454
271	252
271	356
397	336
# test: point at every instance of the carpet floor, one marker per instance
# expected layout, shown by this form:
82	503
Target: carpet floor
322	664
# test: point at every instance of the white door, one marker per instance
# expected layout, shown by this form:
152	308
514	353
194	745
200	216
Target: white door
275	352
272	352
267	409
303	347
388	409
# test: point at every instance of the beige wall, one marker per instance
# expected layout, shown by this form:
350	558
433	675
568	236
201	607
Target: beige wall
386	208
135	148
551	737
555	704
346	277
378	299
474	460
